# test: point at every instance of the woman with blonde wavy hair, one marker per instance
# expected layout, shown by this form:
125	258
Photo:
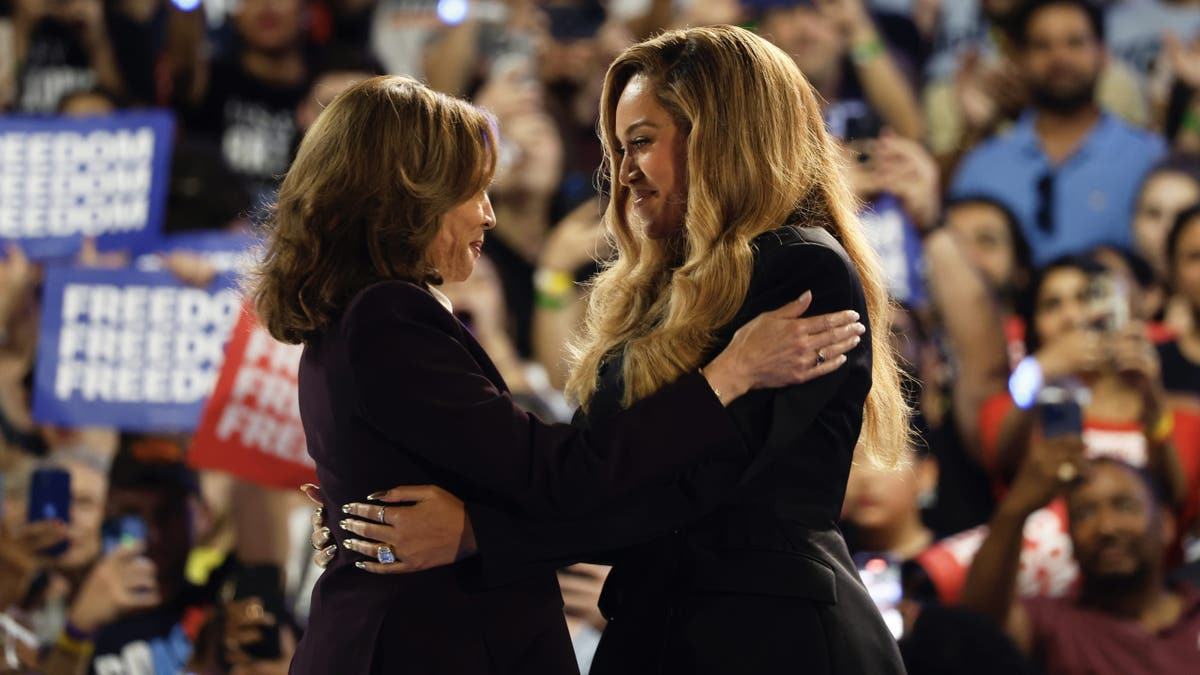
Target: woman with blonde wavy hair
385	201
728	200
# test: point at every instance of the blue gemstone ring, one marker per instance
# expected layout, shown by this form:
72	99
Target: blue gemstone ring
385	555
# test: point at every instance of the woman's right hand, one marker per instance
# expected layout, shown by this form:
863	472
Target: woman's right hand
782	347
324	548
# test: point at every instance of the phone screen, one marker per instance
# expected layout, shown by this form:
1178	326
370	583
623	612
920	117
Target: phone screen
50	499
122	531
881	576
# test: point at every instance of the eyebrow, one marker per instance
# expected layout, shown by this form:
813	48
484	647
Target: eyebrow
640	123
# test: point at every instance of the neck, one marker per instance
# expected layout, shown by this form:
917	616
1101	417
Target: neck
526	219
284	67
1055	124
904	542
1148	602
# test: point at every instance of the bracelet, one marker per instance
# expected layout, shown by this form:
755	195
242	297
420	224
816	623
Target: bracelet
544	301
1162	429
866	51
75	633
1190	121
712	386
80	648
552	288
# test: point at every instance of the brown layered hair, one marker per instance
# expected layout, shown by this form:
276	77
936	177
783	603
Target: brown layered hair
364	198
758	155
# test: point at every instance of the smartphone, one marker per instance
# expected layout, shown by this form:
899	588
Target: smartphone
50	499
265	583
121	531
1108	303
881	577
1060	412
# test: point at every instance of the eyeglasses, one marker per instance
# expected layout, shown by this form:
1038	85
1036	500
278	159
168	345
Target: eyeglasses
1045	204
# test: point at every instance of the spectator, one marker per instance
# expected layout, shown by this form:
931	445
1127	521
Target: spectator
523	195
1127	415
995	245
1171	186
148	480
249	105
1181	357
1124	618
1135	29
1055	170
840	50
976	86
882	510
61	47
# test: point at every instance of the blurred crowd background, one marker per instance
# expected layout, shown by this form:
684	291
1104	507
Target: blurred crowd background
1028	170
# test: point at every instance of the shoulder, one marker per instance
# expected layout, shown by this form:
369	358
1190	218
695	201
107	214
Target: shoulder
1128	137
793	250
393	302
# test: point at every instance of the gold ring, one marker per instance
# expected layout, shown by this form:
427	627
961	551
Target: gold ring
380	516
1067	472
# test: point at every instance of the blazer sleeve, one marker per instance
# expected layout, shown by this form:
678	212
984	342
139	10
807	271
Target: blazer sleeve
419	387
835	287
512	545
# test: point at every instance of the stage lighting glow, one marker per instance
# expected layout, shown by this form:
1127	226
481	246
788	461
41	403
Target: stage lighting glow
186	5
452	12
1026	382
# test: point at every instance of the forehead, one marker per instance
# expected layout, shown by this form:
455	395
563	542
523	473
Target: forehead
638	102
1058	20
1063	281
1107	480
976	215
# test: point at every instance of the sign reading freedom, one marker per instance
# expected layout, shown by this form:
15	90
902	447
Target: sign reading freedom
62	179
133	350
251	426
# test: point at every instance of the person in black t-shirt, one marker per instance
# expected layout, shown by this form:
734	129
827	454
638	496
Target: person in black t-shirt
249	106
1181	357
61	46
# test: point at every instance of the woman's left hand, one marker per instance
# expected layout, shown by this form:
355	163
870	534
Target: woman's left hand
423	526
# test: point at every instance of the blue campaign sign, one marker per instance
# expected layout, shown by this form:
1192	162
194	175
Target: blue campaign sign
229	252
898	247
138	351
62	179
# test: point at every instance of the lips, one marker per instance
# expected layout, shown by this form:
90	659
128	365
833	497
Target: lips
477	247
640	196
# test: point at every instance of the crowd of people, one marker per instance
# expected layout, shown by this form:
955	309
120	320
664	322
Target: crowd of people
1028	171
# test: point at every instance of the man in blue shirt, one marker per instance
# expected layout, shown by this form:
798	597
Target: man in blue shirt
1068	170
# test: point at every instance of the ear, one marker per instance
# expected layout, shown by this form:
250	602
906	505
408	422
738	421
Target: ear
1168	527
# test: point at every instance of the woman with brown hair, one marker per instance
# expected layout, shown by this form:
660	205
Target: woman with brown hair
385	201
727	200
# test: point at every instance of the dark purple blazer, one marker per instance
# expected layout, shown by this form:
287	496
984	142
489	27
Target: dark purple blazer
396	392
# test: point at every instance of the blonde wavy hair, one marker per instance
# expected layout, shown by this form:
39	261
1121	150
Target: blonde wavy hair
364	198
758	155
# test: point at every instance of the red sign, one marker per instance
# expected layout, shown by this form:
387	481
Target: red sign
251	425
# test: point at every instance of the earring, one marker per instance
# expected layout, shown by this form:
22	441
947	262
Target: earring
927	499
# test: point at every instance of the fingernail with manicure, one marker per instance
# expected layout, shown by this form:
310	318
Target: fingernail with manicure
377	495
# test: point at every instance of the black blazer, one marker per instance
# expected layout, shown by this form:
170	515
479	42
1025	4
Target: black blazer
752	574
398	392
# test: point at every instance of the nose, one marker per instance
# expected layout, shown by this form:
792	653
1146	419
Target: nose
489	216
627	170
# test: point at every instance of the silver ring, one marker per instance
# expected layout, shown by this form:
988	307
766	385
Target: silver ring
820	356
385	555
380	515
